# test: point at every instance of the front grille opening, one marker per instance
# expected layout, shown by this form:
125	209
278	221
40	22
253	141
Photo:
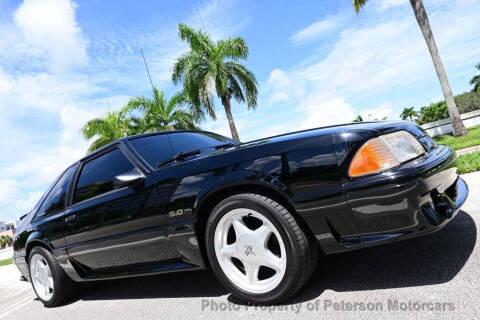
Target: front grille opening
451	191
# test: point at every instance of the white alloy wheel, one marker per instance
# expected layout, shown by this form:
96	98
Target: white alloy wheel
41	277
250	250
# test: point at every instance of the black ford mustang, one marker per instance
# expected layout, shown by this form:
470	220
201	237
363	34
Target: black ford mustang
257	213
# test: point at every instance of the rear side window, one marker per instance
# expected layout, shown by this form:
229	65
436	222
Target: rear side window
55	201
153	149
97	175
190	141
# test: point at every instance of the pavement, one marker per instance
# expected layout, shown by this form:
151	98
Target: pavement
6	253
468	150
434	276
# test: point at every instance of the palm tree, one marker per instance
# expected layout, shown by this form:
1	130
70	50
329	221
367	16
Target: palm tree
110	128
475	82
159	113
409	113
422	19
358	119
212	66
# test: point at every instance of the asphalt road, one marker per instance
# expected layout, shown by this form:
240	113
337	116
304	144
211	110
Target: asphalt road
6	253
434	276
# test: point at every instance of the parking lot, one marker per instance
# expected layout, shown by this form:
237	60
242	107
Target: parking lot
434	276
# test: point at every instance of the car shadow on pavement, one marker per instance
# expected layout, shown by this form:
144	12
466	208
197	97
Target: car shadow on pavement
426	260
431	259
186	284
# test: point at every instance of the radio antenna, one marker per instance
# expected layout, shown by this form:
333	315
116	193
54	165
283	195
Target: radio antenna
146	67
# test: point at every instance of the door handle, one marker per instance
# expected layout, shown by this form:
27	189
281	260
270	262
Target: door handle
70	218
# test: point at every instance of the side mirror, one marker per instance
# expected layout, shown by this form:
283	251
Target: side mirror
131	178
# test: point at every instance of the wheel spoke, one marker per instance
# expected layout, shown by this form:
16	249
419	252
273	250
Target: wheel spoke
229	250
262	233
251	250
45	288
271	261
251	272
42	279
50	282
239	227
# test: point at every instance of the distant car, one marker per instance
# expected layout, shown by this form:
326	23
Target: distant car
257	212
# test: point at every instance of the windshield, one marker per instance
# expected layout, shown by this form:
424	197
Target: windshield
191	141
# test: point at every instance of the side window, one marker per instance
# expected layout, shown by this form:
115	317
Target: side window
190	141
97	175
55	201
153	149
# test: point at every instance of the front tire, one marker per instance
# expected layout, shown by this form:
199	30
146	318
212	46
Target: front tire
50	283
257	249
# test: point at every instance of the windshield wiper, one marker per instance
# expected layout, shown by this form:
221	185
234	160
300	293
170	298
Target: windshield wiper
179	157
229	144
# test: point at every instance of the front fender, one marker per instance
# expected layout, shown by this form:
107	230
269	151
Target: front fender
241	179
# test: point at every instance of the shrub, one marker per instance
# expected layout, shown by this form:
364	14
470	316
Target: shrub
4	240
466	102
434	112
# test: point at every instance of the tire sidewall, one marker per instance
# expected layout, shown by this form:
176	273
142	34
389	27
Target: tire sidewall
252	202
45	254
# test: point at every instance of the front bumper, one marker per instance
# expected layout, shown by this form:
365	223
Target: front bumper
417	198
446	204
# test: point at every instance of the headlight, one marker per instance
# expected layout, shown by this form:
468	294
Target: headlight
385	152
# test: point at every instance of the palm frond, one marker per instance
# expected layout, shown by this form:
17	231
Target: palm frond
358	5
234	48
197	39
248	82
475	82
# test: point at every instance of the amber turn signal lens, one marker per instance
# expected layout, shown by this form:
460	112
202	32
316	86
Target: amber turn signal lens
372	157
385	152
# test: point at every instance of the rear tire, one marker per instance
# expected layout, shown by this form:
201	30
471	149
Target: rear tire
50	283
236	244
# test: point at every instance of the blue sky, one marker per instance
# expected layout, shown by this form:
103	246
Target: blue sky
317	63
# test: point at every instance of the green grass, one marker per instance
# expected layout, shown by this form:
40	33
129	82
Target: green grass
468	162
5	262
473	139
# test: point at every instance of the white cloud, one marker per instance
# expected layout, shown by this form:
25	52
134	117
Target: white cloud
383	112
387	4
50	28
281	87
367	59
11	195
72	145
384	57
314	31
324	110
161	44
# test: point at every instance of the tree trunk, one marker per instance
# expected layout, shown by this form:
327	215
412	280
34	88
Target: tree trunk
422	19
231	123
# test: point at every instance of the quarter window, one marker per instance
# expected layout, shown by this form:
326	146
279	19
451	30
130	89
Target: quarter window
55	201
98	174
